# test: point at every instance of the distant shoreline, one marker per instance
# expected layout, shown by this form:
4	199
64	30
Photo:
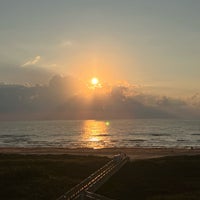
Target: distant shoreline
134	153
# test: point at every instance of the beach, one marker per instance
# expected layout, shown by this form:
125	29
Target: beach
133	153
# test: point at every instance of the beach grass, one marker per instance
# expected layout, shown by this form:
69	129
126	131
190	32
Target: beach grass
43	176
167	178
49	176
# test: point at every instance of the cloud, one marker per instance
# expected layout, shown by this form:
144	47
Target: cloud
32	62
20	75
195	99
68	43
68	98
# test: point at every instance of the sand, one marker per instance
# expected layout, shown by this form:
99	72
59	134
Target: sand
133	153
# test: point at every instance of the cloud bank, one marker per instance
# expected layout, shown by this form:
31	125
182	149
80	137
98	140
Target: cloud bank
70	98
32	74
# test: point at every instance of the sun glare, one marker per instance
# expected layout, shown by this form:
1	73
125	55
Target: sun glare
95	134
94	81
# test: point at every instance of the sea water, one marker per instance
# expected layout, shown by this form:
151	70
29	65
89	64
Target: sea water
101	134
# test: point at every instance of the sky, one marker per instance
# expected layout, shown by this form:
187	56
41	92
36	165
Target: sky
153	45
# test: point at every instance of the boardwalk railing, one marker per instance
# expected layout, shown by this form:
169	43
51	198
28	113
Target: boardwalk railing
96	180
90	195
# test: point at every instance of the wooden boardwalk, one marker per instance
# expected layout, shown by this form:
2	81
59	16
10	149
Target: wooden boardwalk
86	189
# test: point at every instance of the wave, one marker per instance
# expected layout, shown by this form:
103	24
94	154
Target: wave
195	134
160	134
182	140
134	140
102	135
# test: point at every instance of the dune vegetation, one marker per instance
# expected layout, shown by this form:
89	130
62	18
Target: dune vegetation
49	176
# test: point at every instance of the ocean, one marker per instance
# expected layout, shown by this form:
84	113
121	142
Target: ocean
101	134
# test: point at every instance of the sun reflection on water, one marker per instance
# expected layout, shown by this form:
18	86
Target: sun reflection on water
95	134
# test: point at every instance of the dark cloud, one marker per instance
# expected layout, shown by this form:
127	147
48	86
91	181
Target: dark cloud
31	74
68	98
195	99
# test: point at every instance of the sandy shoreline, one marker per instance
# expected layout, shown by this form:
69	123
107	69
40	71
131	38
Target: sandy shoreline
133	153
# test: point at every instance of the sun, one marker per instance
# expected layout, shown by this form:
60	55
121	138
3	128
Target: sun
94	81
